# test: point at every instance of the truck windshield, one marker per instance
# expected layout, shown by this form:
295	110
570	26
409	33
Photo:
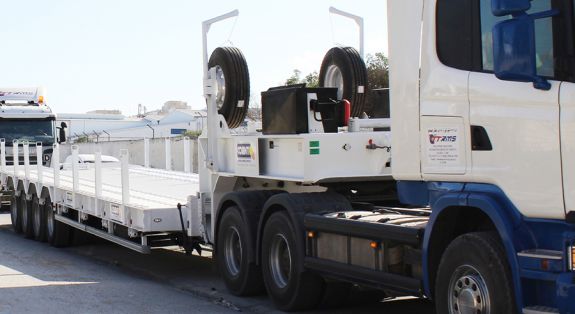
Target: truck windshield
27	130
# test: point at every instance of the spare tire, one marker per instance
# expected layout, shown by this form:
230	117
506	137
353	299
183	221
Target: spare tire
342	67
232	84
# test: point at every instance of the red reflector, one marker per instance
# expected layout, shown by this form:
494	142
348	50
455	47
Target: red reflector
347	112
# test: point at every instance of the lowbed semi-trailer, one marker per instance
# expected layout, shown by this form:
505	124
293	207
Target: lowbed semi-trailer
465	196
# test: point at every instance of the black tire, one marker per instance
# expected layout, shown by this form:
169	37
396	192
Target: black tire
15	214
24	206
290	287
38	219
241	276
474	272
344	64
232	72
57	234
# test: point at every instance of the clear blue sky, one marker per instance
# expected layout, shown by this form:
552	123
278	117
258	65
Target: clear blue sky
109	54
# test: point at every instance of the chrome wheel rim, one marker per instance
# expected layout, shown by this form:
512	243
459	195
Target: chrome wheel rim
280	261
233	251
49	220
334	78
468	292
220	87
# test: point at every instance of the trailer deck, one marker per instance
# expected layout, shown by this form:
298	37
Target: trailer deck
143	200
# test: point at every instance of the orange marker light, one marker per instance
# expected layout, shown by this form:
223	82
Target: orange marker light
374	245
311	234
41	99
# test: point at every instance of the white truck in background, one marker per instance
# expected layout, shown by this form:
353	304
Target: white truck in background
25	116
465	196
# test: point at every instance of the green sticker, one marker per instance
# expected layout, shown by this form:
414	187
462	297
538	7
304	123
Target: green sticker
314	151
314	144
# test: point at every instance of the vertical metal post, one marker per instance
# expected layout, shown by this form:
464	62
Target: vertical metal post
358	20
186	154
75	174
3	154
15	157
39	161
56	164
97	179
168	150
124	157
209	90
3	158
147	152
26	148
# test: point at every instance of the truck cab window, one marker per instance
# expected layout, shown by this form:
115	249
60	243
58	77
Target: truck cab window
543	37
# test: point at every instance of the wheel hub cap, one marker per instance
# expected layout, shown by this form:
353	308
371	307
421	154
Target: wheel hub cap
334	78
220	87
468	292
233	251
280	261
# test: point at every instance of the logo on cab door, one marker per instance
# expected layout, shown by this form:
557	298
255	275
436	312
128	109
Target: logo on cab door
441	138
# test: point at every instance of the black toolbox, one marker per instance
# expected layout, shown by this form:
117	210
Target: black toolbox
285	109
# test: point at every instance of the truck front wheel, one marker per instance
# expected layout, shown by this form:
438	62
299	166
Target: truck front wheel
289	286
241	276
474	277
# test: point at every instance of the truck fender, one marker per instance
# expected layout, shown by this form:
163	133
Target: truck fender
250	204
297	205
504	216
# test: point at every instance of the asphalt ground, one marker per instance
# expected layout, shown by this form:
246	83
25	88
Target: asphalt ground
191	275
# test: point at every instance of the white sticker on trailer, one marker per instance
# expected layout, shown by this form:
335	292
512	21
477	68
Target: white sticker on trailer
116	212
443	149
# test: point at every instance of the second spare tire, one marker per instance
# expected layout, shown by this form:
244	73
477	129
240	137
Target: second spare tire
343	67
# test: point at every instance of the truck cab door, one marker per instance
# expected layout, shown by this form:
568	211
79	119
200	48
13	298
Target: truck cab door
521	125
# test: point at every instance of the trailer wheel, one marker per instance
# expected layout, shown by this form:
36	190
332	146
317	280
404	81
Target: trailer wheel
57	234
15	214
343	67
241	276
233	84
38	219
25	209
290	287
474	277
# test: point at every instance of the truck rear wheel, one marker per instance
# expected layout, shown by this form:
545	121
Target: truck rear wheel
57	234
15	213
38	219
342	67
241	276
24	206
289	286
474	277
233	84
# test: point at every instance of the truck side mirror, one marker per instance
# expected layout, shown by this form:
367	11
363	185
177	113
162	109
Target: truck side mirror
514	53
62	133
509	7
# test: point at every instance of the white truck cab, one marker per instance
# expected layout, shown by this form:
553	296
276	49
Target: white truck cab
25	117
